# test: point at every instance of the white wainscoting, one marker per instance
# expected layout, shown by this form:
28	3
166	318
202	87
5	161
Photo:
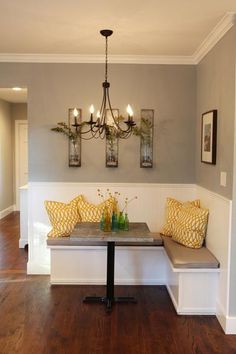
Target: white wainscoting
218	241
149	208
23	241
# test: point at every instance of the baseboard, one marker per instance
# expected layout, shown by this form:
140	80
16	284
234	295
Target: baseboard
103	282
228	323
188	311
7	211
35	268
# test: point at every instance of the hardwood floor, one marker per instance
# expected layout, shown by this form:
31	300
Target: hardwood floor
36	318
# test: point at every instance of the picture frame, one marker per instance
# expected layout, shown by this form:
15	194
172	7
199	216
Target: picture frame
112	140
74	145
146	138
209	137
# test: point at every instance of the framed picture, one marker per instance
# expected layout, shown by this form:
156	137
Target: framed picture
112	140
146	138
74	149
208	137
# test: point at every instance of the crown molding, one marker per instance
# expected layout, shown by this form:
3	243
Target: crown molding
225	24
91	59
222	27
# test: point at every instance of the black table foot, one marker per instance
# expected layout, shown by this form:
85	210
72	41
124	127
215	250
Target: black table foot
109	302
101	299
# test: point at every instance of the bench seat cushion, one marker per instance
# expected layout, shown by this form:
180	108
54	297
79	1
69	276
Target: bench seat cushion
184	257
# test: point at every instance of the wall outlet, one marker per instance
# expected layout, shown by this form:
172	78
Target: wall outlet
223	176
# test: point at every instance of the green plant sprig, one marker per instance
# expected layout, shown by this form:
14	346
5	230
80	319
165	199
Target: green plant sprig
127	201
144	129
63	128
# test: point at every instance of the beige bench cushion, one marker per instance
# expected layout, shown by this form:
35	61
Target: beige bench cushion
184	257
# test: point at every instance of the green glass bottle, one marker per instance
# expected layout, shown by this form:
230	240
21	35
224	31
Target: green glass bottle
121	222
102	222
126	227
114	222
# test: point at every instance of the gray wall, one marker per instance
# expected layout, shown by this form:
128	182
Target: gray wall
6	153
53	88
216	90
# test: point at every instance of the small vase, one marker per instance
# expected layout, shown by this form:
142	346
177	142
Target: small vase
121	222
126	224
102	222
114	222
107	220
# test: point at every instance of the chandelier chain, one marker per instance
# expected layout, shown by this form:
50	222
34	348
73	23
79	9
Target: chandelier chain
106	64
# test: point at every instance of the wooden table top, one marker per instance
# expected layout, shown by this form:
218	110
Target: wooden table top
138	232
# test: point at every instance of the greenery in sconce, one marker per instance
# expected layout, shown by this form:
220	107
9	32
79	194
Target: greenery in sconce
112	136
144	130
74	138
63	128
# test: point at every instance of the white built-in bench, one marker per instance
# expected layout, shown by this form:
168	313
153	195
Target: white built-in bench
192	278
191	275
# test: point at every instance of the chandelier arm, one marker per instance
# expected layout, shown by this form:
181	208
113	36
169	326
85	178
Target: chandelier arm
96	135
103	135
103	121
111	110
81	132
125	136
102	105
102	129
90	138
120	130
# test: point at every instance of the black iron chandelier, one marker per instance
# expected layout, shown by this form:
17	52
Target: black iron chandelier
102	126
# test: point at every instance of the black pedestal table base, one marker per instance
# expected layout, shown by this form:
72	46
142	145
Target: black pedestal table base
109	299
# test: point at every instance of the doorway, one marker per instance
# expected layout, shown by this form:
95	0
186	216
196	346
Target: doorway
21	157
13	147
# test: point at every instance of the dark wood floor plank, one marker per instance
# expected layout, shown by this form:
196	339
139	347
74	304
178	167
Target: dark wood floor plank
36	318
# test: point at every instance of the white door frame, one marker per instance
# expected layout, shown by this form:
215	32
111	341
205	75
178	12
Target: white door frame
17	161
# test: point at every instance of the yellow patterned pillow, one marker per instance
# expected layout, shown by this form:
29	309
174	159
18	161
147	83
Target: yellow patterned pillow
63	217
190	226
91	212
173	208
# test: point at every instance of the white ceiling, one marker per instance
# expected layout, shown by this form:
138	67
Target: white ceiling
152	27
12	96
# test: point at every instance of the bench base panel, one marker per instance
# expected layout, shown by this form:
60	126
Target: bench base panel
193	291
87	265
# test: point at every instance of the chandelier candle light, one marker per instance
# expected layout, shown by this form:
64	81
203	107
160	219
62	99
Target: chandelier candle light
102	127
